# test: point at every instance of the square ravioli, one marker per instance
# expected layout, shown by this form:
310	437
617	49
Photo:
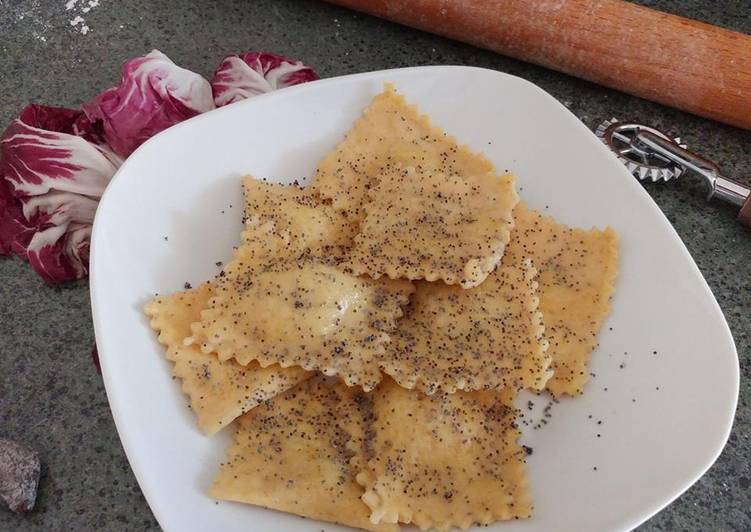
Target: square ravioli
299	313
577	270
219	391
444	460
390	132
300	217
489	337
422	224
293	454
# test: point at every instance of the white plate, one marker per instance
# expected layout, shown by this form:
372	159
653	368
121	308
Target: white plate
654	443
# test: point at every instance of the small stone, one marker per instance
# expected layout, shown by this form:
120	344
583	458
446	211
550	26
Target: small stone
19	476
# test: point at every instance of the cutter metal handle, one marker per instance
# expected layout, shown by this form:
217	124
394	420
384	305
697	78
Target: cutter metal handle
719	186
649	152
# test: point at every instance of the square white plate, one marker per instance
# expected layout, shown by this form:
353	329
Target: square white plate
666	369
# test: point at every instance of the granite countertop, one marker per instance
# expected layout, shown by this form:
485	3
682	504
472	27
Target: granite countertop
51	396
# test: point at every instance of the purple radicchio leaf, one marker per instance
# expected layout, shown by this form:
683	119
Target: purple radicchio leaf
154	94
15	231
252	73
95	359
51	179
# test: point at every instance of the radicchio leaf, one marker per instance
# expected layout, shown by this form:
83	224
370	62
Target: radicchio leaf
51	179
55	163
154	94
252	73
95	359
15	231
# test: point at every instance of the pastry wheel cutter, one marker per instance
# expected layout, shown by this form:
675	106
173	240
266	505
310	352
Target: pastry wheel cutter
650	154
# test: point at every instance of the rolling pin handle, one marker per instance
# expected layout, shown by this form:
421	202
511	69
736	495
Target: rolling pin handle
730	191
744	216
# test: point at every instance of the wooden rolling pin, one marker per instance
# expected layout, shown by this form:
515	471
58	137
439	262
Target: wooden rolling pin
676	61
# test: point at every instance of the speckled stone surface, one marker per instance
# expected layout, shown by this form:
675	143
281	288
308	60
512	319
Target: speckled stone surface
50	394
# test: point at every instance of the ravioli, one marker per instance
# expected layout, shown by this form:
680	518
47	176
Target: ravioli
389	133
219	391
577	270
300	217
485	338
445	460
300	313
293	454
423	224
